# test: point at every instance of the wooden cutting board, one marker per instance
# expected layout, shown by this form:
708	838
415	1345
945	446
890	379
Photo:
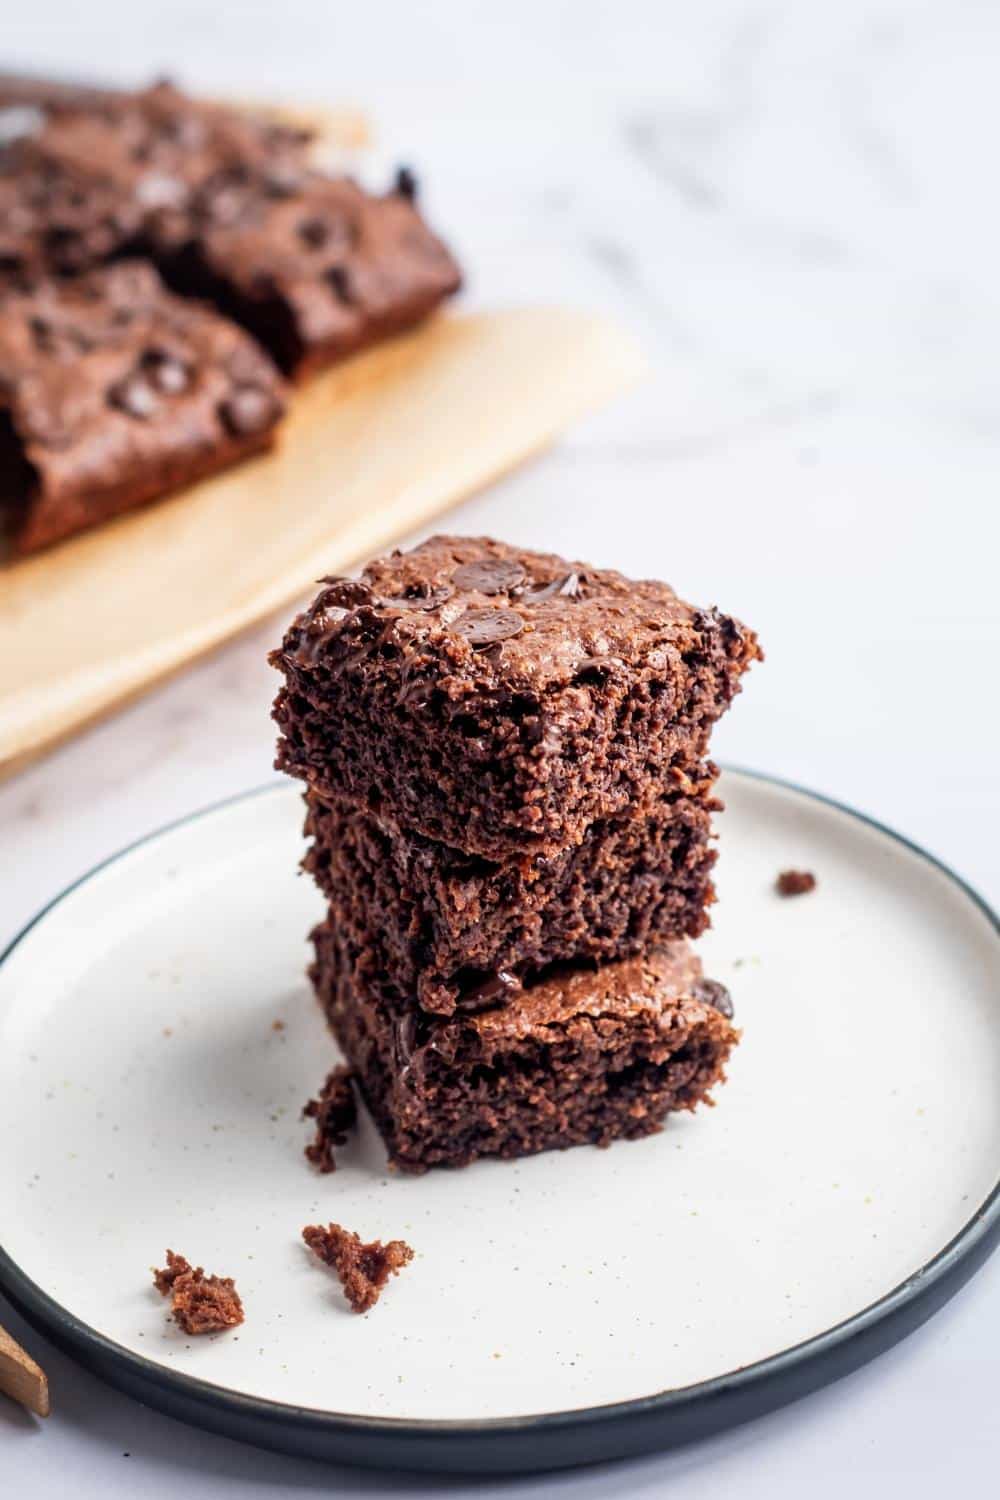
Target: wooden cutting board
371	450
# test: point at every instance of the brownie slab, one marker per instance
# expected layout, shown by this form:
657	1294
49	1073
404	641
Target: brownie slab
499	700
458	931
113	391
587	1056
314	266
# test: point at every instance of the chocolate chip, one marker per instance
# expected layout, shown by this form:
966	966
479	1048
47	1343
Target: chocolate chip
248	410
568	586
406	184
167	373
340	281
497	989
431	600
483	627
490	576
343	593
714	994
314	232
135	396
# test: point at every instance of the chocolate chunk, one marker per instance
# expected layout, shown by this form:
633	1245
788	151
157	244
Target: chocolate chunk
135	396
495	990
484	627
568	586
166	373
406	184
314	232
340	280
249	409
343	593
433	599
714	994
494	575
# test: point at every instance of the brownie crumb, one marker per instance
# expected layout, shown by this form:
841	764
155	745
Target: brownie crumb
363	1269
277	1025
795	882
335	1113
199	1303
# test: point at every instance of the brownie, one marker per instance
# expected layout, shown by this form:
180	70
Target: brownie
314	266
362	1269
584	1056
499	700
456	930
199	1303
113	391
92	175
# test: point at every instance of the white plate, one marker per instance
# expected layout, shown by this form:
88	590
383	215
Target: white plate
154	1103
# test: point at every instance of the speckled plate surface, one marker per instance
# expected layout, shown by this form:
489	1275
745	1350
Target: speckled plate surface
157	1042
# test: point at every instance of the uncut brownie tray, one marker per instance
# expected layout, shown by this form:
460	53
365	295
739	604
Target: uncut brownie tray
455	930
499	700
585	1057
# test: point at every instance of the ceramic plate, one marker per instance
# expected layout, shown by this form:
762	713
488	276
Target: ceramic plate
157	1042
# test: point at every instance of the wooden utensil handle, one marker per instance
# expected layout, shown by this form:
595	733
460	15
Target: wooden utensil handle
20	1378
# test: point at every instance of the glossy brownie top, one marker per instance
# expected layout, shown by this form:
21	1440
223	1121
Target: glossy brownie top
499	616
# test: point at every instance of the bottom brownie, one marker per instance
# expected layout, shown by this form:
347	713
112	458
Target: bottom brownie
584	1056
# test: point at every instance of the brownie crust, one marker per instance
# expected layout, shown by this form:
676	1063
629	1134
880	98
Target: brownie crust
114	391
456	931
499	700
585	1056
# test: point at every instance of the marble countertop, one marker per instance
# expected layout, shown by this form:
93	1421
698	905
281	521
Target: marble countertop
789	204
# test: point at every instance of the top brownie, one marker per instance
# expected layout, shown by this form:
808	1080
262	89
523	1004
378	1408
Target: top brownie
500	700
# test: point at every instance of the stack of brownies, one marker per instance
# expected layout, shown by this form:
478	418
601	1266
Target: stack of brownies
509	804
115	209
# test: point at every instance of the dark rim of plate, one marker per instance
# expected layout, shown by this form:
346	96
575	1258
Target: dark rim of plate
545	1440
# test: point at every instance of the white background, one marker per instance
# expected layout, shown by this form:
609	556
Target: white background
795	207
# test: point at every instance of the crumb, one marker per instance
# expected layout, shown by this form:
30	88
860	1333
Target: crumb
363	1269
277	1025
199	1303
795	882
335	1112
